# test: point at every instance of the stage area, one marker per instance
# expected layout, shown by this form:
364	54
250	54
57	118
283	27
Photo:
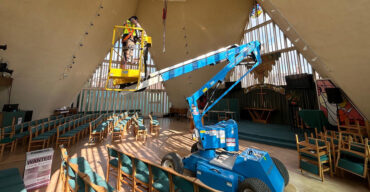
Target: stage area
271	134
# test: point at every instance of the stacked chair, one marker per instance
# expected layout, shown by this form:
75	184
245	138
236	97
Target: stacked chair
77	175
143	175
355	129
353	157
314	156
349	150
154	125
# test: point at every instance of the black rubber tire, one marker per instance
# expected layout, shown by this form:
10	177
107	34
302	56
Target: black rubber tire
176	161
254	185
282	169
194	147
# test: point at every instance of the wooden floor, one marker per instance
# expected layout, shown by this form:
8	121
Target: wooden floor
175	136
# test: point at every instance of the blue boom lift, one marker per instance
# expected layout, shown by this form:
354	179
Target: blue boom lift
227	170
215	158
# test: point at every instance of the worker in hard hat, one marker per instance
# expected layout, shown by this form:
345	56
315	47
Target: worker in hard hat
129	39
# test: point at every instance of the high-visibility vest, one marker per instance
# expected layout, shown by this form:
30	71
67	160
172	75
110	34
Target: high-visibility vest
127	31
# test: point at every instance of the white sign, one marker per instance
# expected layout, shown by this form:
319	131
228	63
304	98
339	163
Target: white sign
19	120
38	168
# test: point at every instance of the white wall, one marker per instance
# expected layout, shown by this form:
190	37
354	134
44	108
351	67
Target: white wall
209	25
338	32
43	35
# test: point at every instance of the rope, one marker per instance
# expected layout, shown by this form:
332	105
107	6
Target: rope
164	16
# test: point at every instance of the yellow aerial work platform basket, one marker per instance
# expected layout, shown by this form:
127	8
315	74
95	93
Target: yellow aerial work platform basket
122	75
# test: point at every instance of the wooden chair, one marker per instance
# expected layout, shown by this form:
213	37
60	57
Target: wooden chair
154	125
6	141
139	129
36	139
66	137
112	163
78	175
314	156
120	128
98	130
126	169
354	129
353	157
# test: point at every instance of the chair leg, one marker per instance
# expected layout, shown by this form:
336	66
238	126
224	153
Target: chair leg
108	168
330	166
12	147
119	175
2	151
322	174
29	146
15	144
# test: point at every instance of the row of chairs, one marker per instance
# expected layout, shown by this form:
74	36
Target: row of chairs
330	150
141	131
115	123
73	131
143	175
10	136
130	111
40	136
124	122
119	124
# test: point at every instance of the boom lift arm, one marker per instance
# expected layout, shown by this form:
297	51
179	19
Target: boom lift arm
212	58
234	58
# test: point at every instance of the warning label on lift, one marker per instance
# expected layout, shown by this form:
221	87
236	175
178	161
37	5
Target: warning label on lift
230	142
220	134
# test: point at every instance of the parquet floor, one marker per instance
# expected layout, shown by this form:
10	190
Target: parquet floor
175	136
